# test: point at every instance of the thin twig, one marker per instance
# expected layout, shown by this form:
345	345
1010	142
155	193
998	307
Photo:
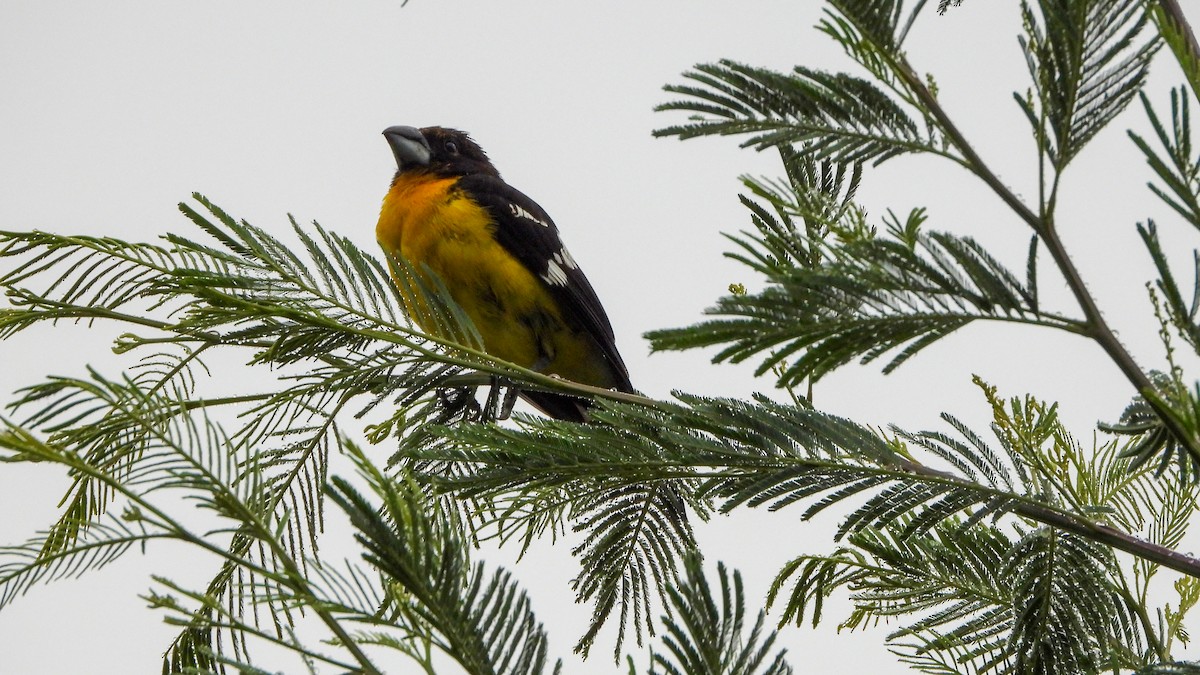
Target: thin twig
1069	522
1098	329
1187	53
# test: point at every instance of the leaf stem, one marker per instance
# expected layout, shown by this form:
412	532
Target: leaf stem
1098	329
1138	607
1186	51
551	383
1069	522
292	576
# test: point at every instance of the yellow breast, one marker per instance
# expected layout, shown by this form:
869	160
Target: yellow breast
430	224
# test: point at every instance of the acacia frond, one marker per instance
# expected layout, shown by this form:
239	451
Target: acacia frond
184	453
79	272
815	200
838	117
482	620
634	535
42	560
975	600
877	20
768	454
917	654
635	532
330	305
1068	616
1182	312
870	34
423	594
257	290
943	5
119	427
1177	166
956	579
1137	499
756	454
1177	35
705	637
865	298
202	653
1087	60
1153	443
961	601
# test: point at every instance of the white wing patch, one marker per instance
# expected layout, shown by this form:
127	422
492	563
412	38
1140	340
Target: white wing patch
555	272
522	213
564	257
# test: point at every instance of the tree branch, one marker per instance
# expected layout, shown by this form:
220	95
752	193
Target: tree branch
1098	329
1105	534
1169	16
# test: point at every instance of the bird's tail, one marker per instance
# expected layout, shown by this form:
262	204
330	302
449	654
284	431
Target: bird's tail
558	406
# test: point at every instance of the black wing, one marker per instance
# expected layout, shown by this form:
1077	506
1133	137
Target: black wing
527	232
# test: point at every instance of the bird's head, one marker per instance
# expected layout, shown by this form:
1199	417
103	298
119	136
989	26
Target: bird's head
446	152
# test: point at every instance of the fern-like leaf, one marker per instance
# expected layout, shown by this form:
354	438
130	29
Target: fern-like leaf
1087	60
327	304
1176	165
1066	609
707	635
838	117
634	532
975	600
483	619
1154	444
867	297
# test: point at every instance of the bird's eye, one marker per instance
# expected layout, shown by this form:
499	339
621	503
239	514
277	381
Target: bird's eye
451	147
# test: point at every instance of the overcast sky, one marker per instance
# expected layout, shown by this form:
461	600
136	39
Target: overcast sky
113	112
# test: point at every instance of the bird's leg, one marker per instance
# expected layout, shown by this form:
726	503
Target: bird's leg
503	407
499	408
506	406
491	410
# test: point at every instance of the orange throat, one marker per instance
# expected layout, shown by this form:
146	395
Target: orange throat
414	198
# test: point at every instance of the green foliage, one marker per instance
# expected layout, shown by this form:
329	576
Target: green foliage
482	620
1177	35
860	299
323	315
977	600
968	591
1178	170
635	531
704	638
1154	441
1065	607
983	550
191	457
249	292
835	116
838	116
1087	60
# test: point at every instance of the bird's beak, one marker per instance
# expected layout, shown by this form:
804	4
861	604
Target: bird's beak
408	145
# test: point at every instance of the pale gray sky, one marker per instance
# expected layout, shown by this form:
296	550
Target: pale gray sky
114	112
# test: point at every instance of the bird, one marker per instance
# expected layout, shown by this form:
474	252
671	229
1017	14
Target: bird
499	256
